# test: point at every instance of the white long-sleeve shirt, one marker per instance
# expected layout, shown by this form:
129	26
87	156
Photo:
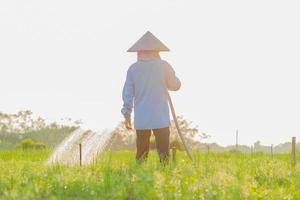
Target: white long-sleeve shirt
145	91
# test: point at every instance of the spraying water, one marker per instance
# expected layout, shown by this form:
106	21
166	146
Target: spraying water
92	145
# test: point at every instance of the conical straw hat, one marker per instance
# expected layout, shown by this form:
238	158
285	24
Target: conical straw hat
148	42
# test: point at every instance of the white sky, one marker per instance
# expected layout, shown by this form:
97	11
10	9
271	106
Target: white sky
238	61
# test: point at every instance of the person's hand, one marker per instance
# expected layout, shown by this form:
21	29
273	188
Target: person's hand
128	123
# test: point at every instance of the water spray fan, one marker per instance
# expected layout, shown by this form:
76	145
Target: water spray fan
177	127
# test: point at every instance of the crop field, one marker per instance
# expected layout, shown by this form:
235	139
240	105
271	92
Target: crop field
23	175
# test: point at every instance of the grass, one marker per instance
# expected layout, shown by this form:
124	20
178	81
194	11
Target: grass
23	175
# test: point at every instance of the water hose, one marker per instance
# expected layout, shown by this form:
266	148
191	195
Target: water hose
177	127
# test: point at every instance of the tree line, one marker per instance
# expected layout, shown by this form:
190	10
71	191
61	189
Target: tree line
22	126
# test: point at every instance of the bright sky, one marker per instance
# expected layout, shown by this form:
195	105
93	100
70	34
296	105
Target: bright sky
238	61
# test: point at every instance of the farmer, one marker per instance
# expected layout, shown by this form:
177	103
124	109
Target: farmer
145	91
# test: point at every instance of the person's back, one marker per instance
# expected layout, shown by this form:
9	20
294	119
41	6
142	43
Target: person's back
145	91
149	78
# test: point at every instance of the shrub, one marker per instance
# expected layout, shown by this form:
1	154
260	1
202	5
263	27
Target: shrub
176	144
234	151
29	144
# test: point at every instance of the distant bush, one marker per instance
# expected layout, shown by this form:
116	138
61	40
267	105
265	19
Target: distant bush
29	144
51	136
234	151
22	125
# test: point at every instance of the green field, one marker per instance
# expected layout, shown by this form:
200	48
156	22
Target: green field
23	175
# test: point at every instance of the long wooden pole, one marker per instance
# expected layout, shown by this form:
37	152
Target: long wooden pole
177	127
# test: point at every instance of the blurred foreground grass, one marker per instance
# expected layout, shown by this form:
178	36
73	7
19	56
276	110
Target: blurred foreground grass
23	175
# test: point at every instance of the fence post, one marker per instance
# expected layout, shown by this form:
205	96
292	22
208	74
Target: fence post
174	154
80	155
237	140
272	151
293	151
207	148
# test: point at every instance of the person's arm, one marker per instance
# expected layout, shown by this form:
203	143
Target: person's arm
128	95
172	82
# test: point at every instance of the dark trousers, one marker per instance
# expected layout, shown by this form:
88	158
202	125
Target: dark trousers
161	140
